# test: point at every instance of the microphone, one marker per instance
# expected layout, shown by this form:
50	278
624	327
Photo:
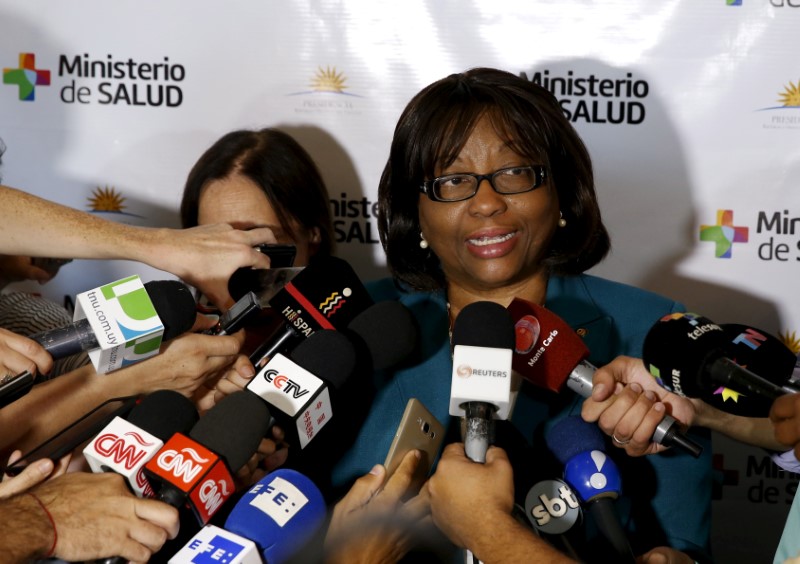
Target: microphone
386	332
123	322
196	470
578	445
552	507
300	399
481	386
326	294
212	544
125	446
550	354
692	356
281	514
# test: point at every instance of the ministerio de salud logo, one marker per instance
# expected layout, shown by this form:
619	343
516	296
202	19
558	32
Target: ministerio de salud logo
27	77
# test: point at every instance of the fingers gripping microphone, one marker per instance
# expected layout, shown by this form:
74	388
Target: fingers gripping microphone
197	469
481	383
326	294
549	354
579	446
125	446
692	356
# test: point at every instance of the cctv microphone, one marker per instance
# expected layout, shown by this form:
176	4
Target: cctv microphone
294	387
481	389
579	446
694	357
197	470
326	294
549	354
281	514
125	445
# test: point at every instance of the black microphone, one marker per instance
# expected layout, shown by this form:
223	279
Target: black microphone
326	294
386	333
481	387
125	445
197	470
298	387
692	356
579	446
171	299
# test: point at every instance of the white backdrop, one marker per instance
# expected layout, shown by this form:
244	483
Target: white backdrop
705	149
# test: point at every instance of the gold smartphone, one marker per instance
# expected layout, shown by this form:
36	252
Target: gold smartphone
418	429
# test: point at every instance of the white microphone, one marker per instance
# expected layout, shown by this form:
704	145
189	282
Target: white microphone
213	544
482	387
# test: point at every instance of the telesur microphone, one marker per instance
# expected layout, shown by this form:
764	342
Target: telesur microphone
481	387
280	513
197	469
326	294
579	446
549	354
694	357
123	322
301	400
125	446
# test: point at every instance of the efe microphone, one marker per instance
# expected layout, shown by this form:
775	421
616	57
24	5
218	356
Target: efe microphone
579	446
481	387
549	354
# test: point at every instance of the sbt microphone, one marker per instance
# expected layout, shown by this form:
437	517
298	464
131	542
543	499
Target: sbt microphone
125	446
197	470
579	446
481	386
123	322
281	513
549	354
694	357
213	545
552	507
300	399
326	294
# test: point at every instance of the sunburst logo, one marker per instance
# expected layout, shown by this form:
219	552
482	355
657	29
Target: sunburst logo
728	394
791	340
790	97
106	200
328	80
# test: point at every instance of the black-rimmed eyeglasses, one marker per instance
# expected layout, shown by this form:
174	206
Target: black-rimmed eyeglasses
457	187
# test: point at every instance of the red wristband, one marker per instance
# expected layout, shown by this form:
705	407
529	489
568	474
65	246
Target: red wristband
52	550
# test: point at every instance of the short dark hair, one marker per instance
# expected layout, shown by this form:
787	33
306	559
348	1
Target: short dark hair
430	134
278	165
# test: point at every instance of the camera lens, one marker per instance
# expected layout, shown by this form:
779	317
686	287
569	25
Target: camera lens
425	428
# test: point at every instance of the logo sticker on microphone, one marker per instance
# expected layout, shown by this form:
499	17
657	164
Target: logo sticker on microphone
280	499
552	507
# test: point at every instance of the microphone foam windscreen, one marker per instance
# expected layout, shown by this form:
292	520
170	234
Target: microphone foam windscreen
234	427
388	331
571	436
484	324
327	354
164	413
174	303
546	348
280	513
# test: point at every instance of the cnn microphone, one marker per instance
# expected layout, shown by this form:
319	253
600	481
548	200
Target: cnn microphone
281	514
326	294
549	354
481	388
300	399
579	446
694	357
124	446
196	470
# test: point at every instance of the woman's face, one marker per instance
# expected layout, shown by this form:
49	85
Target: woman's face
490	241
237	200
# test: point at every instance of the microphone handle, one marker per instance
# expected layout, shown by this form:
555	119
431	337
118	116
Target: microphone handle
479	431
66	341
602	509
668	432
726	372
267	350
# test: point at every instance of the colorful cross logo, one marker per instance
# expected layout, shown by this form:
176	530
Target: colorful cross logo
733	2
724	233
27	77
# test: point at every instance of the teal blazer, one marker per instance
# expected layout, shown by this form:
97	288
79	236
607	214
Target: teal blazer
673	506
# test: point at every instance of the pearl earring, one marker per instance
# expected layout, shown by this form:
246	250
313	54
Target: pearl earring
561	221
423	244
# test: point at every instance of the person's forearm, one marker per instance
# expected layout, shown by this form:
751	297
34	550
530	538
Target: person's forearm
756	431
27	531
506	541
